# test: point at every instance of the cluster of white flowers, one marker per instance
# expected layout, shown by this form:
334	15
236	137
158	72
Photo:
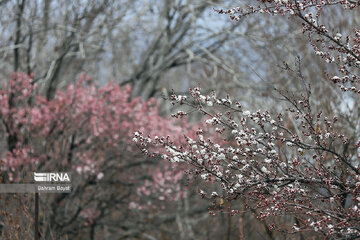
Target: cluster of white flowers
205	176
221	156
246	113
338	37
226	101
178	98
176	156
212	121
240	177
207	100
218	148
267	160
330	59
281	1
265	170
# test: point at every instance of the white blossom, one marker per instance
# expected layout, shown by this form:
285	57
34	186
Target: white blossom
175	159
209	121
201	137
214	194
202	192
267	160
246	113
204	176
338	36
264	170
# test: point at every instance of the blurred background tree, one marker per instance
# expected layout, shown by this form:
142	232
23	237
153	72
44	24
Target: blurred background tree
156	46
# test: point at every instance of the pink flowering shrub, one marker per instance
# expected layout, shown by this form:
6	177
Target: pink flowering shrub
87	130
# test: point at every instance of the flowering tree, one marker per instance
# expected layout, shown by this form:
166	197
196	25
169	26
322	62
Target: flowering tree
302	162
86	130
